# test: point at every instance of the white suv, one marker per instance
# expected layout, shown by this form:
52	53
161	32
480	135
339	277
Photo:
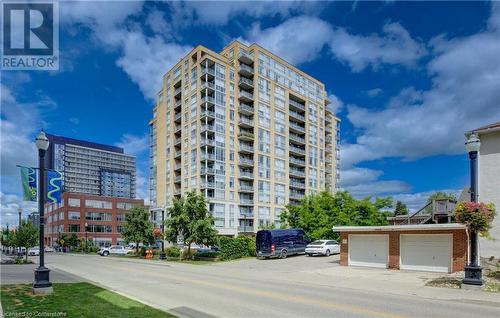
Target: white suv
323	247
114	250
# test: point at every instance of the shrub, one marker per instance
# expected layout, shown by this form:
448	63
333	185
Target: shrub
185	254
173	251
476	216
233	248
207	254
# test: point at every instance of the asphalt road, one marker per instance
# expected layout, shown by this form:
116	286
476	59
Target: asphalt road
254	288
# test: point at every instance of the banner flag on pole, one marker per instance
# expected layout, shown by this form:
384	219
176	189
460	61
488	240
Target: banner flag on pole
28	181
54	186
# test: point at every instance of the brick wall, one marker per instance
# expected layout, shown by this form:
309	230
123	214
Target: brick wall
459	246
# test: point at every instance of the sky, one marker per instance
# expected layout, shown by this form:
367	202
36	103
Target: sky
407	79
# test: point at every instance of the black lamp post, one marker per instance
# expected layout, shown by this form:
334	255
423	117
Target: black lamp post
162	226
86	240
473	272
42	284
19	211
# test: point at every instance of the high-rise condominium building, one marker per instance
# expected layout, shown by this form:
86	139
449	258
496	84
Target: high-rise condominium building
92	168
247	129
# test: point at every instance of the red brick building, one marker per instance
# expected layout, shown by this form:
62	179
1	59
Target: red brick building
101	218
424	247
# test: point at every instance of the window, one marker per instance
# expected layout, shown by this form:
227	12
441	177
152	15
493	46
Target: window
279	145
99	228
124	205
264	89
264	167
74	202
264	115
277	219
264	140
120	217
98	216
279	194
120	228
219	214
98	204
264	217
264	192
279	169
279	122
74	227
73	215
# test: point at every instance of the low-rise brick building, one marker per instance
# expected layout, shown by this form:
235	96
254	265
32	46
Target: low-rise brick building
100	218
425	247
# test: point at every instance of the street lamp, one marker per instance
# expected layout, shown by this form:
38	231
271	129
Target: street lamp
42	284
162	254
86	240
20	210
473	272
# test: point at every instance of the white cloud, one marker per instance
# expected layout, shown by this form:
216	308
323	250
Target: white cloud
355	176
297	40
416	201
134	145
395	46
374	92
74	120
378	188
9	205
214	12
336	105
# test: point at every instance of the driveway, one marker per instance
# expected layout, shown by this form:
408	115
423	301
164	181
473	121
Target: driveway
295	287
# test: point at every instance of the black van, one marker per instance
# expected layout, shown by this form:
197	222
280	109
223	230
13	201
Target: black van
281	243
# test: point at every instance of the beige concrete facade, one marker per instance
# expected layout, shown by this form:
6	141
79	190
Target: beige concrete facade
247	129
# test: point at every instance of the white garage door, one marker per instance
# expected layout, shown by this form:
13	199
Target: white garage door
369	250
426	252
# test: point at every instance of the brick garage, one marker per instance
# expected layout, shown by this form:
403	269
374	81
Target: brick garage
419	247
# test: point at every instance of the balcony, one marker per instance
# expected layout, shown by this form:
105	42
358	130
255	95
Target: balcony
208	100
208	114
246	162
245	70
207	86
178	104
246	148
177	154
297	150
207	184
296	195
177	92
207	142
297	105
177	129
296	184
245	201
177	141
246	175
297	128
207	156
246	109
297	161
297	173
245	229
297	139
244	135
296	115
245	57
178	179
207	170
245	122
328	149
246	188
178	118
177	167
207	127
328	129
177	192
245	96
209	72
245	83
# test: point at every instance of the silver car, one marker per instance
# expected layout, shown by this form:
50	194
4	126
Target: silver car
113	250
323	247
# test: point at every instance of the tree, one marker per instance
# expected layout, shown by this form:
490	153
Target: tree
73	241
318	213
441	196
400	209
190	219
26	236
138	228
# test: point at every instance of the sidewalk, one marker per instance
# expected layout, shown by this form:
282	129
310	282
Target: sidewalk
396	282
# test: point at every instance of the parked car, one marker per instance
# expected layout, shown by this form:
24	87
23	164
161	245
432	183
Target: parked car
281	242
34	251
113	250
323	247
49	249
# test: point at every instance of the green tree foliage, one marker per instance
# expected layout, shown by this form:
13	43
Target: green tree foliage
441	196
138	228
233	248
400	209
190	219
318	213
27	236
73	241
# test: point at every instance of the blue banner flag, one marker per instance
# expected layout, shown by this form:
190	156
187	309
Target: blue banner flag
28	181
54	186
